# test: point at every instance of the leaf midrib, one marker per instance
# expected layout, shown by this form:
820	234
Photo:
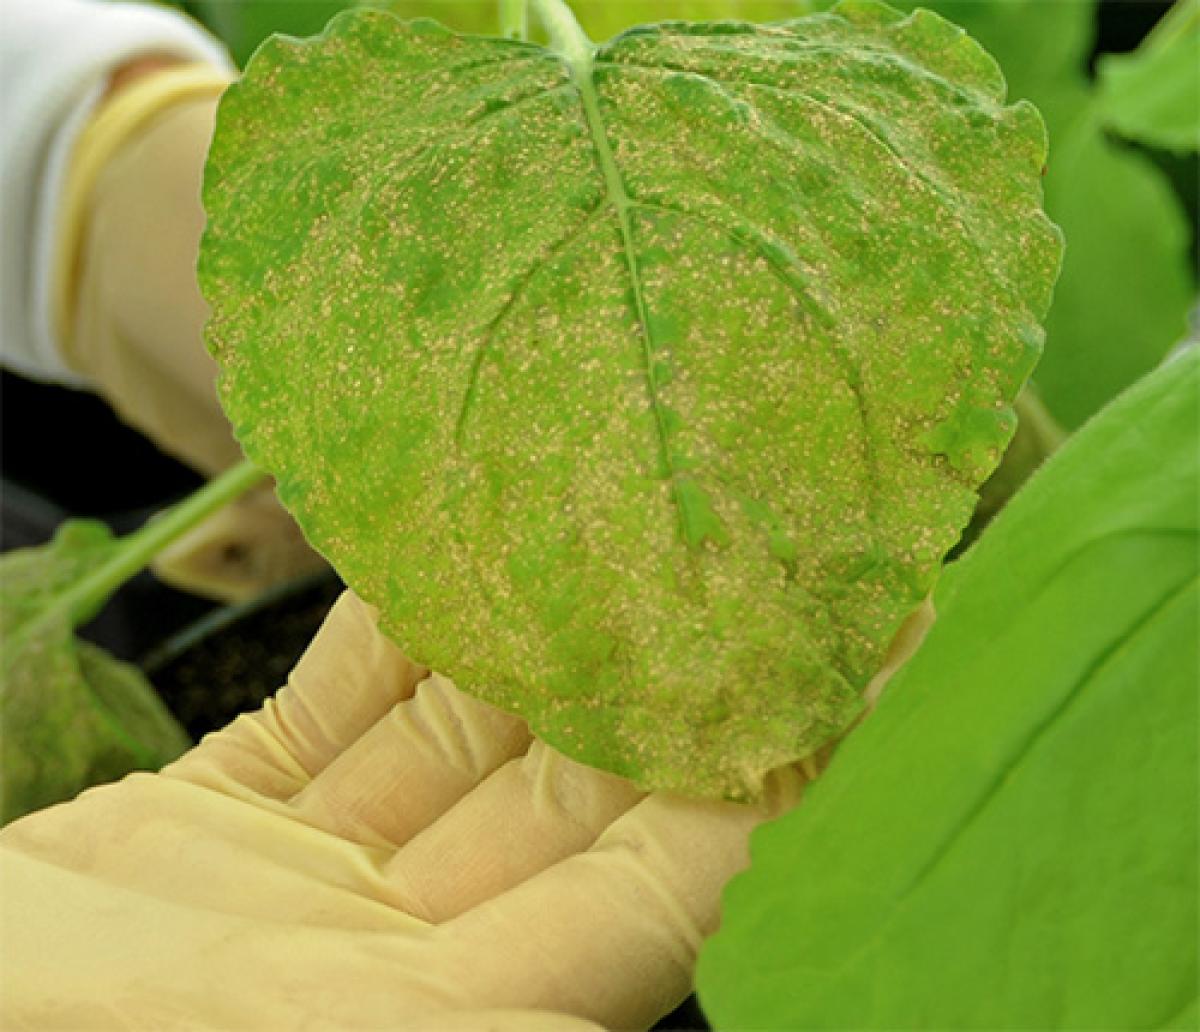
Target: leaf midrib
582	71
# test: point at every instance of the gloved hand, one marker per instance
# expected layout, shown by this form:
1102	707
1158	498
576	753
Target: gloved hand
129	314
371	849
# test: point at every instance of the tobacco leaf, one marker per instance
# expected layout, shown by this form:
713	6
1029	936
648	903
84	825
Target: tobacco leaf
70	715
1010	840
643	392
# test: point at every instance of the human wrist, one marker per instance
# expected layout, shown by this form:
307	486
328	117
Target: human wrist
138	92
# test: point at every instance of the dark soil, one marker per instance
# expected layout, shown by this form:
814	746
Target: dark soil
235	658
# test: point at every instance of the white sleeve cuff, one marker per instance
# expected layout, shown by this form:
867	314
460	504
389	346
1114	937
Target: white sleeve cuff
55	60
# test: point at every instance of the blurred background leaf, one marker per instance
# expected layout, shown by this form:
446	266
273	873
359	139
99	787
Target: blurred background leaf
1126	288
1152	96
70	714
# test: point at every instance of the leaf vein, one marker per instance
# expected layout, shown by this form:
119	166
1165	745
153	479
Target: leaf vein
788	272
520	285
618	195
540	93
844	114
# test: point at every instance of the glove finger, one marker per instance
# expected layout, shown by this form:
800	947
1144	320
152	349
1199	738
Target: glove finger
612	934
531	813
412	766
240	551
348	678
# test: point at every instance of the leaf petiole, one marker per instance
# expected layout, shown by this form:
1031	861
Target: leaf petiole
85	598
567	37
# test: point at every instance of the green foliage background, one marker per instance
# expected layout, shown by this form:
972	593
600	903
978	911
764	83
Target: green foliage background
1152	96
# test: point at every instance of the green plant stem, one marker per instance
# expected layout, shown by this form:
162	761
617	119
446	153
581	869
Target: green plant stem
1037	421
85	599
566	36
514	19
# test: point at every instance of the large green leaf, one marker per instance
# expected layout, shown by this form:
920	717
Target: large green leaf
70	715
642	392
1010	841
1152	96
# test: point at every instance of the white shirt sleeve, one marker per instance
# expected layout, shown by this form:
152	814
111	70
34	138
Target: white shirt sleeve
55	60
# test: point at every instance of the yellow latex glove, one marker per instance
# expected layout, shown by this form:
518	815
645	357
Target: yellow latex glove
130	318
372	849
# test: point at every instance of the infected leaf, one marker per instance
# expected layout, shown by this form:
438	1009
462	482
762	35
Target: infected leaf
70	715
642	390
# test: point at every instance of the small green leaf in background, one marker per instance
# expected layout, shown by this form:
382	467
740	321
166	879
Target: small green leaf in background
644	397
1010	840
70	715
1122	300
243	24
1152	96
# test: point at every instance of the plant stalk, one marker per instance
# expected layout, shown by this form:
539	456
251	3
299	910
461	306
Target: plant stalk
86	598
514	19
567	38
